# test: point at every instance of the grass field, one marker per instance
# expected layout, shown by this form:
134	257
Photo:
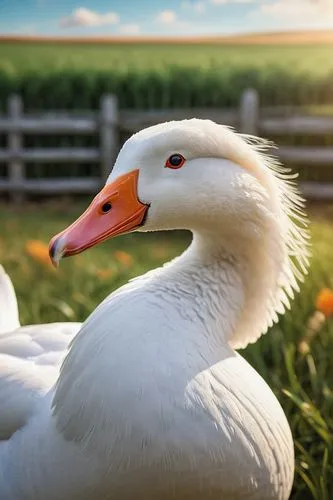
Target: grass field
20	57
50	75
302	382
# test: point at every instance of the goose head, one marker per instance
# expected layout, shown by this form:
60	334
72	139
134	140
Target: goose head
202	176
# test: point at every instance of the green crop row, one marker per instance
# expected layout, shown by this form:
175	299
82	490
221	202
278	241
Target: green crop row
171	87
151	88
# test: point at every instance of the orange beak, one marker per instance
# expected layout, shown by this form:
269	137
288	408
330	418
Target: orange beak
115	210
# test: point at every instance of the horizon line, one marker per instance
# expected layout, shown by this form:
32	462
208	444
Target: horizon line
300	36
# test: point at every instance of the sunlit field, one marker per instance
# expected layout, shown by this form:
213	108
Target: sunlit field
48	56
51	76
299	369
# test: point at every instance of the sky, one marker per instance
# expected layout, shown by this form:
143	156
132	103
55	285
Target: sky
161	17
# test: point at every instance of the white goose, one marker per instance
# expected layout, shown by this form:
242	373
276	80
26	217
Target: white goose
9	315
152	401
30	357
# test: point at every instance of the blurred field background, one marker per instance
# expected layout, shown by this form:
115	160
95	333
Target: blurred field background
65	76
162	75
50	75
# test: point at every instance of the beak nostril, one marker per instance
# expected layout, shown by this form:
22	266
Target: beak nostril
106	207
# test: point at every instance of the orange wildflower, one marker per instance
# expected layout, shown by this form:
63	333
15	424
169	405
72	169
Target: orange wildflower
324	301
123	257
104	274
39	251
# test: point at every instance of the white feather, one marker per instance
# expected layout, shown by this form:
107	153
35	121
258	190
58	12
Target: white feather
9	317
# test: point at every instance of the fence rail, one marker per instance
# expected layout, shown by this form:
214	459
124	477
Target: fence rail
108	122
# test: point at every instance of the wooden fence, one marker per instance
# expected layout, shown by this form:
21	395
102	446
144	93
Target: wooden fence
109	121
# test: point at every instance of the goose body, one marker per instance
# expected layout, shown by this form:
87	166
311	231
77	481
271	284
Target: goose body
9	316
152	400
30	358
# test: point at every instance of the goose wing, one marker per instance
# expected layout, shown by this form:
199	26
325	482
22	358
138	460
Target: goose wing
30	358
9	317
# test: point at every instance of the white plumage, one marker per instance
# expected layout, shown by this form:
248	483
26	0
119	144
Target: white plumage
9	317
152	401
30	357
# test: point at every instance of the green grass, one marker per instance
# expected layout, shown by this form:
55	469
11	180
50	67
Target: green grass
303	383
45	57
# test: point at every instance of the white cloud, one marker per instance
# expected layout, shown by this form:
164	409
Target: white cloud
198	7
301	9
129	29
166	17
86	17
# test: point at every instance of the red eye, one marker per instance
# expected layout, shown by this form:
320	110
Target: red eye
175	161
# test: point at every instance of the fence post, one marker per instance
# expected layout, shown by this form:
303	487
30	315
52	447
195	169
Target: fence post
16	172
249	112
109	142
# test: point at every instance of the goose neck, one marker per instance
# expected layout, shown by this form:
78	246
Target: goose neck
207	281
